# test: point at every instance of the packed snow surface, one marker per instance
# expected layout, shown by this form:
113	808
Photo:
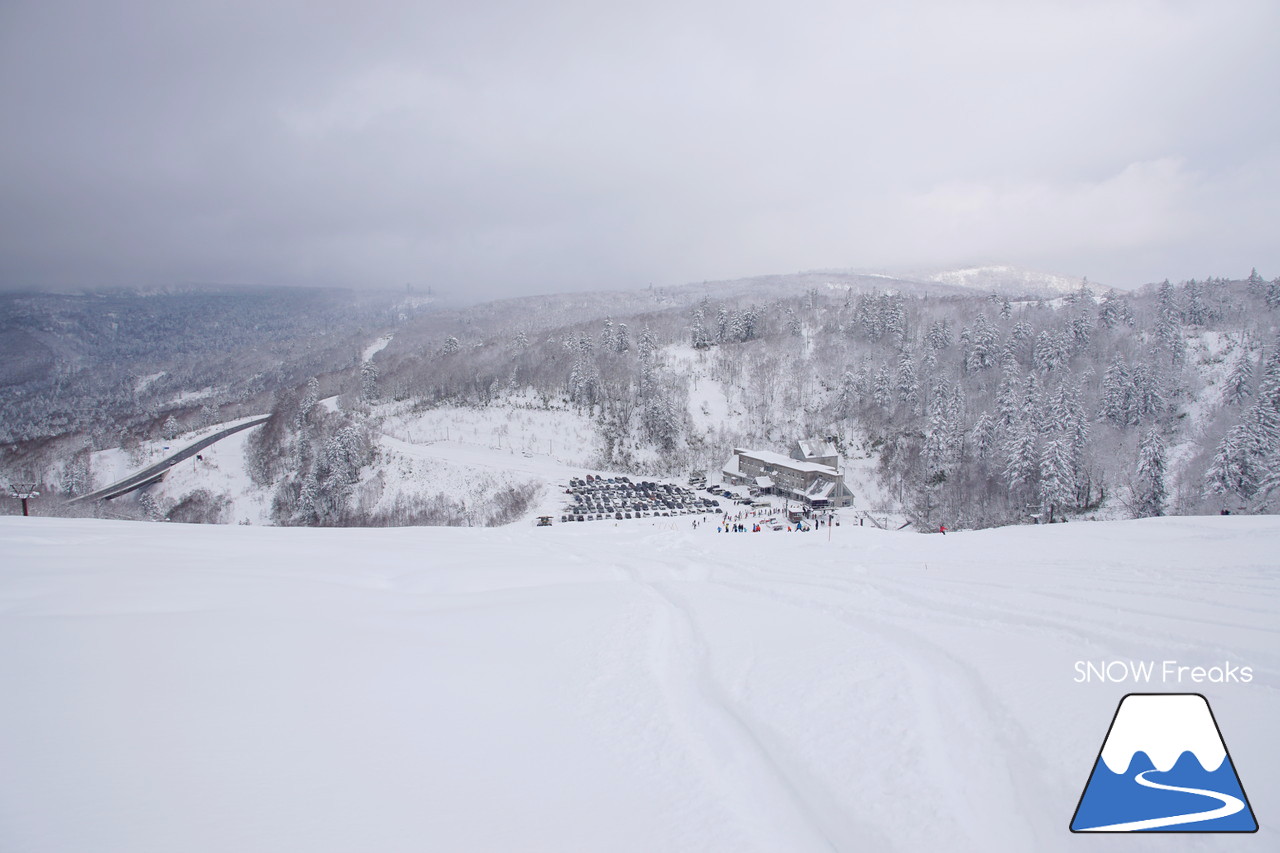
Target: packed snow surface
591	687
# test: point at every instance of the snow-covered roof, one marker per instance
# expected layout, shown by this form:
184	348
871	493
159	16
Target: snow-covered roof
813	448
764	482
731	467
821	489
768	457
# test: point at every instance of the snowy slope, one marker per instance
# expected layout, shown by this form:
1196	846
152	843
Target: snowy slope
1006	279
586	687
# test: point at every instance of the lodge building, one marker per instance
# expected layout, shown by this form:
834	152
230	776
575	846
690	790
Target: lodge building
811	474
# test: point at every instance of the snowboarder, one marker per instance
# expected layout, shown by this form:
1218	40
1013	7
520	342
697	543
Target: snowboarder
942	528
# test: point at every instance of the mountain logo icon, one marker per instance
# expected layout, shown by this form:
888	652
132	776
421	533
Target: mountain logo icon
1163	768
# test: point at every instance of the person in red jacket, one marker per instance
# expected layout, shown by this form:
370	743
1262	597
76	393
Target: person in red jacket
942	528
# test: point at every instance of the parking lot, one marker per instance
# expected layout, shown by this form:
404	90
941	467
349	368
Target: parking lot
593	498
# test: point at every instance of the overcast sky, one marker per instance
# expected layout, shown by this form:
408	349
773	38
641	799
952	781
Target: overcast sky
494	148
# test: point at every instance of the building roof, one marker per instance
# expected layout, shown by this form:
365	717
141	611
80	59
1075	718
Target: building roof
779	460
813	448
821	490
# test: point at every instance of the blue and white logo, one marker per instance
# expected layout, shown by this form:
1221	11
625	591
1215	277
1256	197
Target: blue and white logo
1164	768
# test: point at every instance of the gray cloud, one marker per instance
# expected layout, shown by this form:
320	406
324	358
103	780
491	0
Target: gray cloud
507	148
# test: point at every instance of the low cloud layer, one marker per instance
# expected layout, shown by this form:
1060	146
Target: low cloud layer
507	148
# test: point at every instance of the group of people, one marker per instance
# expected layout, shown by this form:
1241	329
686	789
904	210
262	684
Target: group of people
739	527
728	526
734	525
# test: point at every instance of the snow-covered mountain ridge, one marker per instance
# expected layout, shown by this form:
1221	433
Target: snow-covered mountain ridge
1010	280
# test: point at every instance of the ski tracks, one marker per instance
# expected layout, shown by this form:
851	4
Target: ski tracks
770	793
949	695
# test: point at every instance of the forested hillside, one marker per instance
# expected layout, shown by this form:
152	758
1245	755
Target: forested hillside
974	408
101	364
981	409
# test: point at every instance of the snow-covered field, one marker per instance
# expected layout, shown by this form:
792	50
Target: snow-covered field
600	688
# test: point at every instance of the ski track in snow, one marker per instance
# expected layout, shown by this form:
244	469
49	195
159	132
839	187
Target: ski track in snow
681	690
947	692
734	750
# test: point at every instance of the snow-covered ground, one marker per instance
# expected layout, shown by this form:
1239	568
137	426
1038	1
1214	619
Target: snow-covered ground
586	687
560	434
376	347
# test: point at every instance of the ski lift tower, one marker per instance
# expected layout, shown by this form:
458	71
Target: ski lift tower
24	492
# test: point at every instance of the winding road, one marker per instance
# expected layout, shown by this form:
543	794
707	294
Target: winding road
155	473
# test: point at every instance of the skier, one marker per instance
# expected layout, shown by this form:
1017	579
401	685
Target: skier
942	528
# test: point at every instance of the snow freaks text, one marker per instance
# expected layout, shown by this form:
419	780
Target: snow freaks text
1166	672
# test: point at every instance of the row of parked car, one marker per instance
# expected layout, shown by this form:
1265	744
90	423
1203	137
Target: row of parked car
599	498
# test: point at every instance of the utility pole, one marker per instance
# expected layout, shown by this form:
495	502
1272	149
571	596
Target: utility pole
24	492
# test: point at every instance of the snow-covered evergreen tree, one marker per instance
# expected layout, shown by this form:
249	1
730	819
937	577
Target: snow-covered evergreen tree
1245	457
984	437
1238	388
1195	312
751	323
1147	395
1007	403
584	375
1114	311
699	336
1117	394
1168	329
1022	457
648	345
1057	473
939	336
77	474
722	325
940	444
369	382
907	384
150	506
849	398
983	345
1256	284
1150	492
1052	351
882	389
